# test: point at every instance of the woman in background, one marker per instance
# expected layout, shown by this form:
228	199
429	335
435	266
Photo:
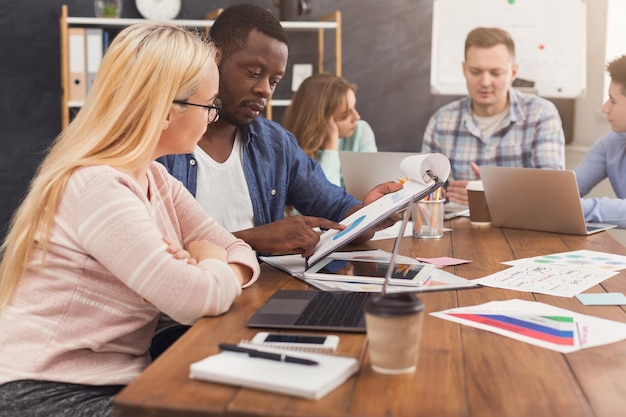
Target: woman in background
106	240
323	117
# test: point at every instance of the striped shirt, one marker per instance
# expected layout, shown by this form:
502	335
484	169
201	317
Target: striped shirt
531	136
88	313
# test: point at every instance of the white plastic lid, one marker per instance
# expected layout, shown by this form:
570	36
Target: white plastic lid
475	186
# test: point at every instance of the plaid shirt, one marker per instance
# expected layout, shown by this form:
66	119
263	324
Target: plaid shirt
531	136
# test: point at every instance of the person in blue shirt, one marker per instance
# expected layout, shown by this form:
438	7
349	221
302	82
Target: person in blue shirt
607	156
247	169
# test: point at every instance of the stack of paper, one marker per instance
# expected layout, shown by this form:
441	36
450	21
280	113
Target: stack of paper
437	281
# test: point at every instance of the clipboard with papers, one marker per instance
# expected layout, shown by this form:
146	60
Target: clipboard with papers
424	174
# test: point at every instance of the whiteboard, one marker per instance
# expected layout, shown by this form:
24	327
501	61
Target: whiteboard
550	42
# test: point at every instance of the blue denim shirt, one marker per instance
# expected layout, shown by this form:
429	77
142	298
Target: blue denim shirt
278	174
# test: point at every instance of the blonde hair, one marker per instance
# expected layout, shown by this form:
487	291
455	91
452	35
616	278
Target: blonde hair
316	100
146	67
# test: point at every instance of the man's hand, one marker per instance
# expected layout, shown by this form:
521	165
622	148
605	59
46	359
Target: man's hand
379	191
456	192
373	195
291	234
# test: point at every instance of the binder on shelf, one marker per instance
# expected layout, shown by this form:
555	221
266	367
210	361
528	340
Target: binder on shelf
94	46
78	73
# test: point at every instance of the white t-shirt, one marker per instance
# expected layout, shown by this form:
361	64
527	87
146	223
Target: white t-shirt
222	189
488	125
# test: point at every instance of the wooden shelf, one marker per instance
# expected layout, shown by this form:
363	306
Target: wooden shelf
331	21
122	22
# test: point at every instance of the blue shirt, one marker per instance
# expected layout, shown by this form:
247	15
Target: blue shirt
606	159
278	174
530	136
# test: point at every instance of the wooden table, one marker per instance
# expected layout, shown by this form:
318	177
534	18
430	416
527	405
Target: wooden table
462	371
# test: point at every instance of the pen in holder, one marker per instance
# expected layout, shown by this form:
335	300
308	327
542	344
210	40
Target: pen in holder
428	218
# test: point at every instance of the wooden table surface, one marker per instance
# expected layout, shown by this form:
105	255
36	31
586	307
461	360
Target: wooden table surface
462	371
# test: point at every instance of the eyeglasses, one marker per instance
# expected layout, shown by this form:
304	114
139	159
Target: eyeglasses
213	110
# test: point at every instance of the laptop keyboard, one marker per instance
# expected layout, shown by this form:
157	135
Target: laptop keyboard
334	308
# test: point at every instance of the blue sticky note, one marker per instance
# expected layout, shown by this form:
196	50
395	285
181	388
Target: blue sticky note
602	299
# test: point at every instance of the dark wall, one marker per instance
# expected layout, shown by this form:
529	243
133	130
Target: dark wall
386	52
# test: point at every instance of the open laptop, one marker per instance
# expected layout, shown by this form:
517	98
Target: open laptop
536	199
339	311
322	310
362	171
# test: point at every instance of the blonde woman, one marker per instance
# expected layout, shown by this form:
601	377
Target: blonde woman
106	240
323	117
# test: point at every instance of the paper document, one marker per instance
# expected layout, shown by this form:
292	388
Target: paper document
561	274
538	324
437	281
562	281
424	174
585	259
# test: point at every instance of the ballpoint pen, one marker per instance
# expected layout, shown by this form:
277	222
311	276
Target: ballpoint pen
254	353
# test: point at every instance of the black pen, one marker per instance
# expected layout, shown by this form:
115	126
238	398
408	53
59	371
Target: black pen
280	357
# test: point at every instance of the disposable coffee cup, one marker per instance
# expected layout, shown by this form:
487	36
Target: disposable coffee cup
478	209
394	326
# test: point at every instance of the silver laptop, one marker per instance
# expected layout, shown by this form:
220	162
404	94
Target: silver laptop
536	199
362	171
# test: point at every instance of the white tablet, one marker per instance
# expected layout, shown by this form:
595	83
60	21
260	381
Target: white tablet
369	271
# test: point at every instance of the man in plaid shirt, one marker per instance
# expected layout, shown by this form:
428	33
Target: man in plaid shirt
496	124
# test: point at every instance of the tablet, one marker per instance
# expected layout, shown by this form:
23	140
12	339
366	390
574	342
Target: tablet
369	271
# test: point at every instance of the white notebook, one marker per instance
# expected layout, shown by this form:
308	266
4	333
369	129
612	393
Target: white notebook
307	381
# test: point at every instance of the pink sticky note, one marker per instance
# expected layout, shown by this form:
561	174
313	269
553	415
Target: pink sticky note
443	261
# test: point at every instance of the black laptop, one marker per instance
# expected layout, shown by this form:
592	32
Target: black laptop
340	311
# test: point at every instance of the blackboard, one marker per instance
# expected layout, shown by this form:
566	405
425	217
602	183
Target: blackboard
550	42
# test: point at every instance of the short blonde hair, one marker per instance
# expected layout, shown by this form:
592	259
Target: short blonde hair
146	67
482	37
317	99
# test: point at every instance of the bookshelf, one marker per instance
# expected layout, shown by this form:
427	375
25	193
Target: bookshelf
329	22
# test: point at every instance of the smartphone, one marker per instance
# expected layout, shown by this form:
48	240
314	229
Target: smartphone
297	341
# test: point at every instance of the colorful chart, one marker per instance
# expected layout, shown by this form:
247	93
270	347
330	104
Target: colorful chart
559	330
580	259
349	228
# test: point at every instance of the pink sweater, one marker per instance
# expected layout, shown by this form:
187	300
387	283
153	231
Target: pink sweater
89	314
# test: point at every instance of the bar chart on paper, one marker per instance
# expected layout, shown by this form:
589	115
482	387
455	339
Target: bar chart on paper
539	324
560	330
